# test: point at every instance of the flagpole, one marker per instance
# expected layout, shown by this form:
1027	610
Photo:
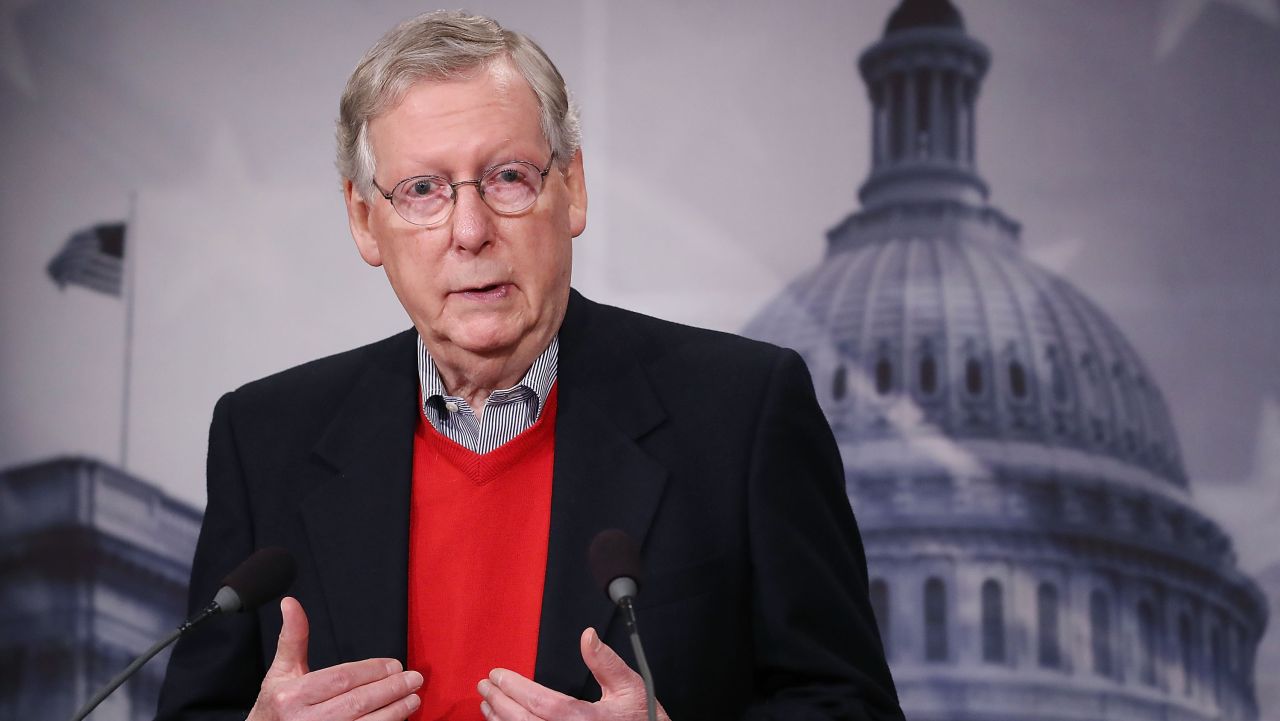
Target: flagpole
130	262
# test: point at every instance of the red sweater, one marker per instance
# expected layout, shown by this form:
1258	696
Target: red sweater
478	529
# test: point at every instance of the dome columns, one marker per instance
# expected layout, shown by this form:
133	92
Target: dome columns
923	84
1115	632
923	114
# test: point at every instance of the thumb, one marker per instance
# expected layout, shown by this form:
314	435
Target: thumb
612	673
291	649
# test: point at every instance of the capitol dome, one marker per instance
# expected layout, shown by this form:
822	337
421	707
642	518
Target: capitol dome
1034	548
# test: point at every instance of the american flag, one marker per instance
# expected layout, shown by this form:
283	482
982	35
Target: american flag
93	258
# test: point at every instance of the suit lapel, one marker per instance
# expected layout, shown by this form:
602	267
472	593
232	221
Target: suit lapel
357	519
602	479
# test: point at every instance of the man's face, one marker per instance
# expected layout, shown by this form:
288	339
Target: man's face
481	283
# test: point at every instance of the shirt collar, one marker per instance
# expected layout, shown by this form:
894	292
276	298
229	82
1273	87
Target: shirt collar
539	378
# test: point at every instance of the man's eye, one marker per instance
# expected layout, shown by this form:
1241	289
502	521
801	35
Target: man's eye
422	188
509	175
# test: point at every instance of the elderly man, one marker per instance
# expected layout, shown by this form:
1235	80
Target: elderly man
440	488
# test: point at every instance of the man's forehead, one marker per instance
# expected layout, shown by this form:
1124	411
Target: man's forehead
492	107
495	82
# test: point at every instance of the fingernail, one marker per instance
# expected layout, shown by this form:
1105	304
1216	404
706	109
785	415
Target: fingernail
485	709
413	678
484	687
594	641
414	701
393	667
496	676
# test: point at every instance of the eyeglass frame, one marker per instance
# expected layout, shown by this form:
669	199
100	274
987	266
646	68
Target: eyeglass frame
453	190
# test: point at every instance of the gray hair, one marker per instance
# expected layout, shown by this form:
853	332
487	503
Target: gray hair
445	45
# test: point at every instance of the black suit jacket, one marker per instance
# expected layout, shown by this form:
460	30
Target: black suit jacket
708	449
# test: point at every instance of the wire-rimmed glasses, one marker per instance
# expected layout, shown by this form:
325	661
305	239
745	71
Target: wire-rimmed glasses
507	188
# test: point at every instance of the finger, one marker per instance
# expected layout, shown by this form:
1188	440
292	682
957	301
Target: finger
498	706
291	648
611	672
514	697
395	711
370	697
327	683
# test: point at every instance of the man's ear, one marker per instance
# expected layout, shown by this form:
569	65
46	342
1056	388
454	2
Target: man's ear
359	215
576	187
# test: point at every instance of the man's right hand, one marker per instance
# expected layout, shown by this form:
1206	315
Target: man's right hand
375	689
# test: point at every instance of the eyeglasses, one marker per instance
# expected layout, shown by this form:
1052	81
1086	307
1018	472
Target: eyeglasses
507	188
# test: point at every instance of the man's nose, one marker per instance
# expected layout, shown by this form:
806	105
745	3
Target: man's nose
472	219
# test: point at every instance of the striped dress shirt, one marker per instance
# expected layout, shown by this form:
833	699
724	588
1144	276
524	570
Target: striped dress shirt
506	414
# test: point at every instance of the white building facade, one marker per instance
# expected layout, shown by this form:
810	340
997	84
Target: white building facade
94	564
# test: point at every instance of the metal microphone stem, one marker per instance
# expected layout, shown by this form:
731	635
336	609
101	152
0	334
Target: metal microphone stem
132	668
629	616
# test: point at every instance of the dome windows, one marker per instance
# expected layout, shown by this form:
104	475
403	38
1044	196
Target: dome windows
897	110
926	361
974	396
973	380
928	375
1017	379
935	620
993	644
1186	652
882	370
1147	643
1057	375
1217	663
1048	647
1100	633
924	113
884	376
1123	639
1016	390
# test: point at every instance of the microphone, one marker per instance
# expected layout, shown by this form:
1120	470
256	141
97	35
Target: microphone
264	575
615	562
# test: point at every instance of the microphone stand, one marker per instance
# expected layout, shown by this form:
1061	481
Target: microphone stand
132	668
629	616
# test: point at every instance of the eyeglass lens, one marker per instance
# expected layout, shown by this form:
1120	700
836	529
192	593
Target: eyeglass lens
507	188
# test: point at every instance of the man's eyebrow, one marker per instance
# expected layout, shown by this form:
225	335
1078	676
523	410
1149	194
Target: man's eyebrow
498	158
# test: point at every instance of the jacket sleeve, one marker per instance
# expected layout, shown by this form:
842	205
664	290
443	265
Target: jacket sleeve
216	670
818	650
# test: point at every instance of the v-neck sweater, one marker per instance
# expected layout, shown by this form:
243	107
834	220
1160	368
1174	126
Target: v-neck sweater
478	531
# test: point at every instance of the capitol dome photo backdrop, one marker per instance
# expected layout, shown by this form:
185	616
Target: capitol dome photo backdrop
1034	547
1028	251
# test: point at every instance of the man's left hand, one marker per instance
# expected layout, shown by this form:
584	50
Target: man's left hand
508	696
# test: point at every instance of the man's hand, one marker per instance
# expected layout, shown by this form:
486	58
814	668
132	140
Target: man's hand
508	696
371	690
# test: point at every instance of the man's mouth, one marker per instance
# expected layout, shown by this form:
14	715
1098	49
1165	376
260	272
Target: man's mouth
493	291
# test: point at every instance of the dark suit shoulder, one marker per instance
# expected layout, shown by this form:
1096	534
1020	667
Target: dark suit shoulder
693	350
316	388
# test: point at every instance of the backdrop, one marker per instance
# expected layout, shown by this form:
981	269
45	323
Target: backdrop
1137	142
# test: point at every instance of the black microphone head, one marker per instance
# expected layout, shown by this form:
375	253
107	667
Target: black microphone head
614	555
264	575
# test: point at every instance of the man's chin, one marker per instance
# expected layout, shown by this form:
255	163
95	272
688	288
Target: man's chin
486	339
